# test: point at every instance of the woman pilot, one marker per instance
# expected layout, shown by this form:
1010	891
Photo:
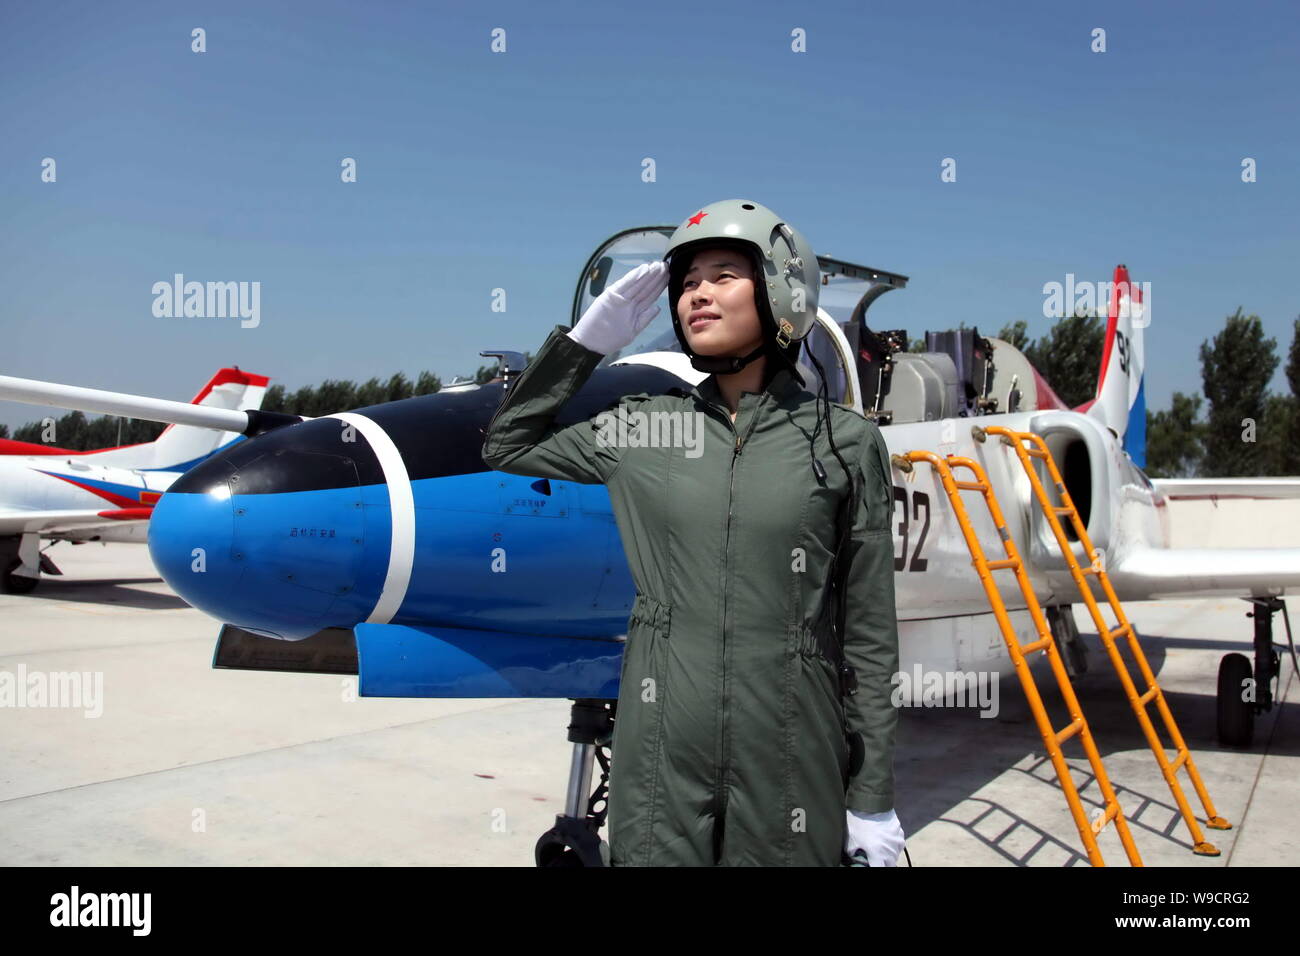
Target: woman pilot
746	732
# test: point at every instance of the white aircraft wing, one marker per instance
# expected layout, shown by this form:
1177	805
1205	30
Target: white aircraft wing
20	522
1151	574
1202	488
34	392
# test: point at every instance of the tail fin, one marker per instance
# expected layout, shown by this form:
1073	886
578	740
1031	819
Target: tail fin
179	447
1121	394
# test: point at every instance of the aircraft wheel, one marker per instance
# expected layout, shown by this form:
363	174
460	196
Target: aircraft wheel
16	583
563	858
1068	643
1236	717
571	842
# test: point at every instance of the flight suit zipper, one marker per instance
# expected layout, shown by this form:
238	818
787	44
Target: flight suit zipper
720	787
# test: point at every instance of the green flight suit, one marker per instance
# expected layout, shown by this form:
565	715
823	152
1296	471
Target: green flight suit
729	741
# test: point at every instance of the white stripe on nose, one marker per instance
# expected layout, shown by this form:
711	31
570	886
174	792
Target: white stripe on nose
401	501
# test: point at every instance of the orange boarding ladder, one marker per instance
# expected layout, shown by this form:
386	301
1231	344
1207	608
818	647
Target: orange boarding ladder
1052	739
1153	692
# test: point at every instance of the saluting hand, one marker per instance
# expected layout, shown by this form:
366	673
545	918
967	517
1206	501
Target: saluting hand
620	312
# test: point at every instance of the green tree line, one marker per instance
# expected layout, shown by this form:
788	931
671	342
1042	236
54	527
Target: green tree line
1245	431
1235	426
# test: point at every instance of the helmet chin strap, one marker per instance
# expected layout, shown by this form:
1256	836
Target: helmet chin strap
725	364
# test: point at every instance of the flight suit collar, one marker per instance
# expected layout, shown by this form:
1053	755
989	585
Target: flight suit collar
782	384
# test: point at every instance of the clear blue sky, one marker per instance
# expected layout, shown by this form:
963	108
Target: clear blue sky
478	170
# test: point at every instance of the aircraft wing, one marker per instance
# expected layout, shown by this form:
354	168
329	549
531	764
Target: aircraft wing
73	519
241	421
1188	489
1152	574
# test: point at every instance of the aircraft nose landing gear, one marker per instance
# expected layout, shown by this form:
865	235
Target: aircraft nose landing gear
575	838
22	562
1244	691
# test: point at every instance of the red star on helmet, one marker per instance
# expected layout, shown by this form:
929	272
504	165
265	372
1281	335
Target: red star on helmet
695	220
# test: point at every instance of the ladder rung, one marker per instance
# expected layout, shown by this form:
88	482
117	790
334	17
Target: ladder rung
1126	629
1112	811
1037	645
971	485
1070	729
1037	453
1063	510
1002	563
1148	696
1182	759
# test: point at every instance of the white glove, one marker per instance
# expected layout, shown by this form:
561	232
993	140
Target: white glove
879	835
620	312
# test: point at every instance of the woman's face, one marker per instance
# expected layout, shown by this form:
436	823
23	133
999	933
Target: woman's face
716	308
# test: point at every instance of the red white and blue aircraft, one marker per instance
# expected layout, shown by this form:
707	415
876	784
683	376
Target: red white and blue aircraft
108	494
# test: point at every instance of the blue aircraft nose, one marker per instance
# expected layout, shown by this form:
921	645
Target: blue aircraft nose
283	534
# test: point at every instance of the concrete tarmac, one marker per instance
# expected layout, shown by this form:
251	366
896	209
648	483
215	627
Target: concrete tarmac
187	766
